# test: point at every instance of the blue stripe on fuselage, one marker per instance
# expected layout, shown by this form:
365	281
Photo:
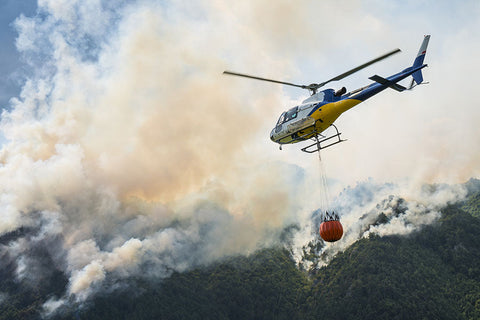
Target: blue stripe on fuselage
368	92
329	97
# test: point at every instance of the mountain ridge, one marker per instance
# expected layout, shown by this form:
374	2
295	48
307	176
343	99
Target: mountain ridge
430	273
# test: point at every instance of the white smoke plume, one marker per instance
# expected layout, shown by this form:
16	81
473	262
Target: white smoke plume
380	209
125	153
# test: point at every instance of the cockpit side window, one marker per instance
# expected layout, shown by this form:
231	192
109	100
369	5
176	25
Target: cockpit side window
287	116
291	114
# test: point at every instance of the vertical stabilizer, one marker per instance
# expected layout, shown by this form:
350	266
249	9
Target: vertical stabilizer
417	76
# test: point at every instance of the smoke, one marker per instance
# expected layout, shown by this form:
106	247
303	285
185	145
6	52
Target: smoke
127	151
371	208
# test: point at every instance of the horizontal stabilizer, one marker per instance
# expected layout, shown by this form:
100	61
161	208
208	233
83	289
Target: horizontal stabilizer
388	83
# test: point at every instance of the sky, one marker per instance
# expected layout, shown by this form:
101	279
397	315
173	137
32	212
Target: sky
10	61
126	151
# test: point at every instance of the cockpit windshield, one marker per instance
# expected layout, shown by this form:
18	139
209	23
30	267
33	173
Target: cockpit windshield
281	119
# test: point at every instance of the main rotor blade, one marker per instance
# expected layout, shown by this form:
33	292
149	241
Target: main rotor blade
346	74
314	86
263	79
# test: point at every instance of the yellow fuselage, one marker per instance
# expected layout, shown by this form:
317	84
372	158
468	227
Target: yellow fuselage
324	117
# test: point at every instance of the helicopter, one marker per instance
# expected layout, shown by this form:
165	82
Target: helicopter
316	114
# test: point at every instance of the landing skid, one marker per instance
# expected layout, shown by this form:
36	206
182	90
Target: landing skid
319	139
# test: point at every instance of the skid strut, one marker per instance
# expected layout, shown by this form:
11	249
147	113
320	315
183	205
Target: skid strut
319	139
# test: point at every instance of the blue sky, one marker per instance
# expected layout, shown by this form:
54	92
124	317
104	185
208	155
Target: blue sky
10	64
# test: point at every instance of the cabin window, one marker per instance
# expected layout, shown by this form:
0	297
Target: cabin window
291	114
287	116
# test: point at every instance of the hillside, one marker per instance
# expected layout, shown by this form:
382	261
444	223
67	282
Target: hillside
433	273
265	285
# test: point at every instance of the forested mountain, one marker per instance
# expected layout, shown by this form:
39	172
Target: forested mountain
433	273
